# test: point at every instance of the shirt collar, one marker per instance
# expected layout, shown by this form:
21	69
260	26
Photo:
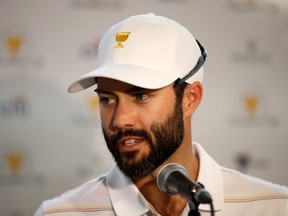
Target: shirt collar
210	175
120	187
125	196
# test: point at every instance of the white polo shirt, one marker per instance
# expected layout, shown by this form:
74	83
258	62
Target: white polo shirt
233	194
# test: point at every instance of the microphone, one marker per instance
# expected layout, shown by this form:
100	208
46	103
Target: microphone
173	179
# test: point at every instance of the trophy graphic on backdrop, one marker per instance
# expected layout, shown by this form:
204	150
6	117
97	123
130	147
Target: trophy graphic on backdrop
14	44
251	104
14	161
120	38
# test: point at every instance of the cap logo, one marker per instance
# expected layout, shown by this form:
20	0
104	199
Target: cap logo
120	38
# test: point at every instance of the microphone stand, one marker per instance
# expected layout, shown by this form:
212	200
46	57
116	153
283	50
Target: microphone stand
193	204
199	195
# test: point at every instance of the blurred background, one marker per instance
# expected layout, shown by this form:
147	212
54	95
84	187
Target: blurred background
50	141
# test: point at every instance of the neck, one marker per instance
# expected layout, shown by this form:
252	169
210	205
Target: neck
165	204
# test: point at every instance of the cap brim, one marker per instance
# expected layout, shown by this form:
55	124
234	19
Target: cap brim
134	75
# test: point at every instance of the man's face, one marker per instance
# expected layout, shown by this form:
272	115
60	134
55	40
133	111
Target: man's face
142	128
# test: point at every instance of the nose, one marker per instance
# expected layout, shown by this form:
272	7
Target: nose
123	116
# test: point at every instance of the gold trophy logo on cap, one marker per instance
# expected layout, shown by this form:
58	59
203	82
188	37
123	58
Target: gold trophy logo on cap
120	38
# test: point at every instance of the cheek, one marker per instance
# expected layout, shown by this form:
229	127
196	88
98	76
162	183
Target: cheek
167	104
105	118
160	111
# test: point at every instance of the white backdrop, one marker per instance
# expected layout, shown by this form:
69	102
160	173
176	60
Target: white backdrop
50	141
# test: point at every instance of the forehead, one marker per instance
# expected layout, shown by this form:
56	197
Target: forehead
107	84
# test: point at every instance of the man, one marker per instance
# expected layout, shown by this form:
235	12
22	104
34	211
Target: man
148	75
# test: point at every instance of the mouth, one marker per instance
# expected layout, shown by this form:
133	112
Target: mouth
130	143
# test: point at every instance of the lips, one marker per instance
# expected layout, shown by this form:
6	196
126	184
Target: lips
129	143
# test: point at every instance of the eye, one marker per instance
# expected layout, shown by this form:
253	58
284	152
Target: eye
141	96
106	100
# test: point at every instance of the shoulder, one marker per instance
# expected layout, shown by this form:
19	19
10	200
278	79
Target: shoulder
91	196
242	183
254	194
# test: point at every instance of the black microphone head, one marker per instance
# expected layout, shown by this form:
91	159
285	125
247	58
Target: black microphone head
164	173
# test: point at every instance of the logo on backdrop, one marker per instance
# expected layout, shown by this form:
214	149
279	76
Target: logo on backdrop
257	5
245	161
172	1
252	108
93	104
16	49
97	4
17	166
89	114
14	161
251	54
14	44
89	50
15	107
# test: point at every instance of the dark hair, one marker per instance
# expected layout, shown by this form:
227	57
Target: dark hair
179	88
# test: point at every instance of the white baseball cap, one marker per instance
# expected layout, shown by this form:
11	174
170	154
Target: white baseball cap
148	51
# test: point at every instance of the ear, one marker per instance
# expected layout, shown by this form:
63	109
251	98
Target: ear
191	98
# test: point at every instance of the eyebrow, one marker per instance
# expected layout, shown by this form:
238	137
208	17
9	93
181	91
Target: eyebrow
98	90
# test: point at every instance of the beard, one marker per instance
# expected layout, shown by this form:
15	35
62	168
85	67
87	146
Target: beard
163	140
